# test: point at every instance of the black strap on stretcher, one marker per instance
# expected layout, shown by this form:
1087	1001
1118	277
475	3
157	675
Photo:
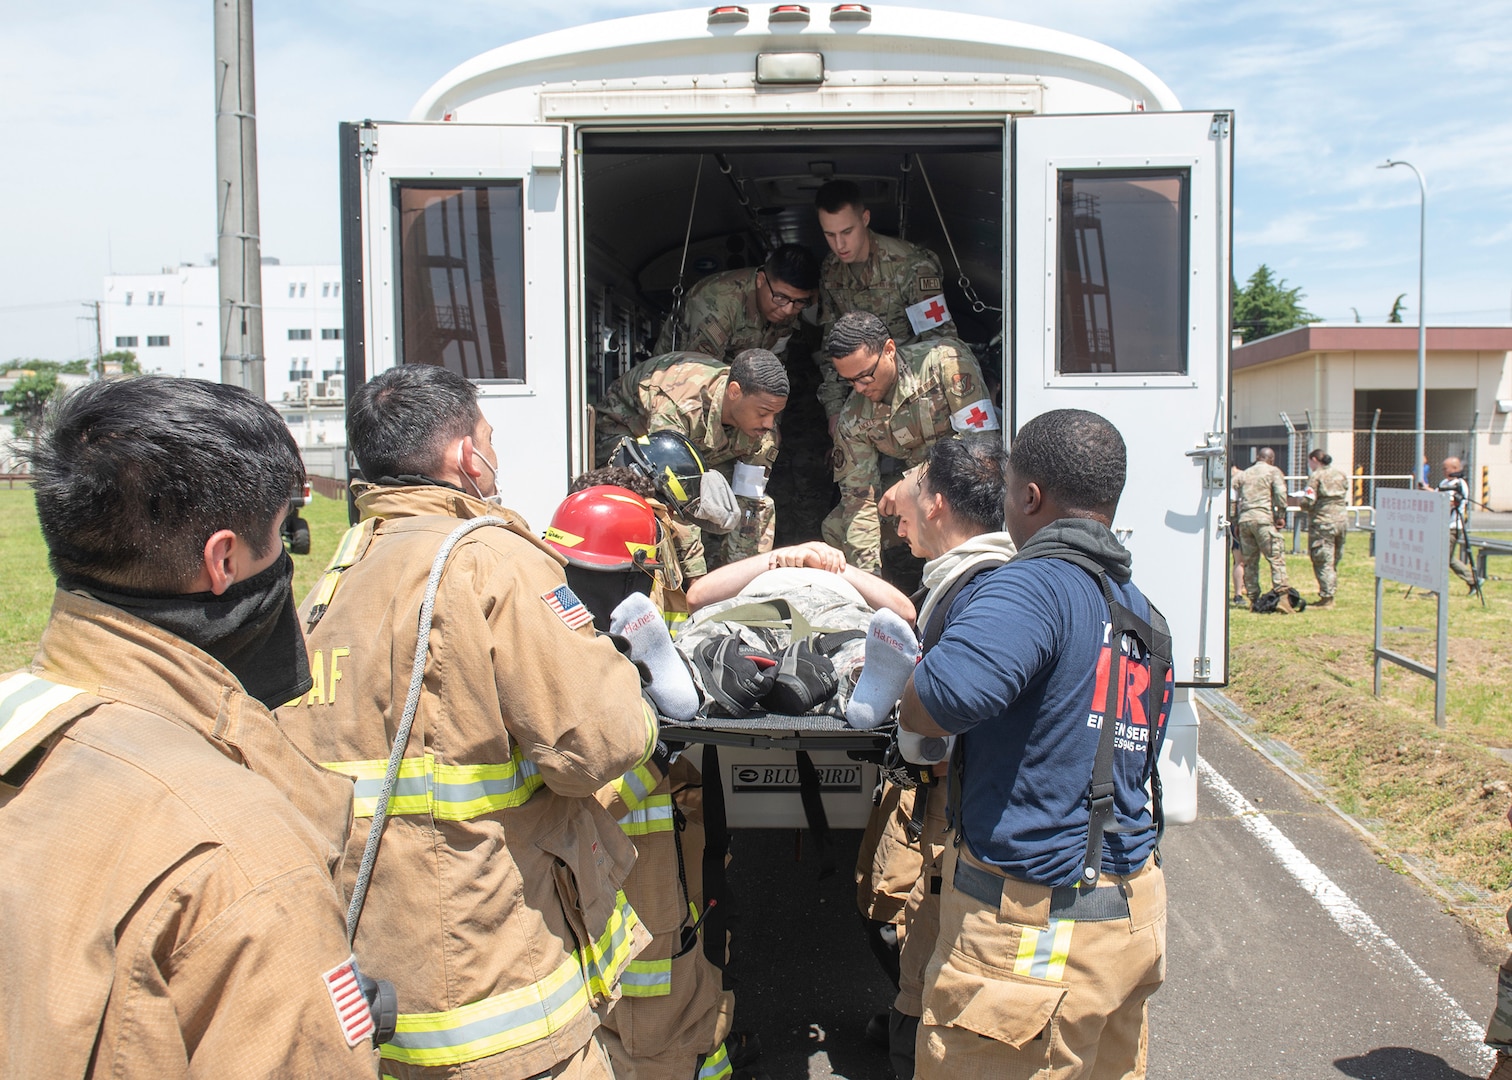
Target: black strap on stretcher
716	888
1154	637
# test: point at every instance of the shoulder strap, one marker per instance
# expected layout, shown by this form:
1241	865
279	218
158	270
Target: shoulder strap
32	710
353	546
936	627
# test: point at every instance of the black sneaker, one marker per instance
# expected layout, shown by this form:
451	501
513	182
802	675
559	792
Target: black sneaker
876	1031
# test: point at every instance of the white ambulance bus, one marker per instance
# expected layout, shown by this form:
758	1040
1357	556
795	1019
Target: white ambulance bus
529	222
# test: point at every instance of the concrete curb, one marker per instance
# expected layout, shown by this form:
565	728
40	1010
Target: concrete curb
1455	894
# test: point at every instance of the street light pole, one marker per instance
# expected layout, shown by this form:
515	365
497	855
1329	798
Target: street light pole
1419	453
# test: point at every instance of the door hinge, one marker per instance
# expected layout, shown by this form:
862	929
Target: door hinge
1202	668
1220	126
367	143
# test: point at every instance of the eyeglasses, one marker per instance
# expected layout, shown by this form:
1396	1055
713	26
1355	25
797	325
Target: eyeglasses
782	303
865	377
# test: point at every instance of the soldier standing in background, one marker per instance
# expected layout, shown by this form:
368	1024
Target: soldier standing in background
1459	518
899	282
1325	498
744	309
1262	516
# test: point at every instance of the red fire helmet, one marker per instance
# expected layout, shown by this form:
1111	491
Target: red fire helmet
606	528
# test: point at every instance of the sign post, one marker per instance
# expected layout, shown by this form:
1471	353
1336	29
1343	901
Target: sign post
1411	546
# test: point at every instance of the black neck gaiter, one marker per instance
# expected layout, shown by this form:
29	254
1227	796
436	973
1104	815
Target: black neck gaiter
252	627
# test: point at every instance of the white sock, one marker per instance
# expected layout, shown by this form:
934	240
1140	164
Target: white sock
671	687
891	652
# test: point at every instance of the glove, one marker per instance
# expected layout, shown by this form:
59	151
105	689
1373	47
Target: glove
715	508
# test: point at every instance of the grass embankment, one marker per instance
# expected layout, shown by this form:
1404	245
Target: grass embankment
1438	797
26	584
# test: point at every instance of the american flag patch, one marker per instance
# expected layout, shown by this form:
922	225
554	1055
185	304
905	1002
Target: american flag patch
352	1011
566	606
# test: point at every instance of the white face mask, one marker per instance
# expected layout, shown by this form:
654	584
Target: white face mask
495	499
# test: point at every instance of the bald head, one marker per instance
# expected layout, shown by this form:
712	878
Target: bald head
1453	466
1266	455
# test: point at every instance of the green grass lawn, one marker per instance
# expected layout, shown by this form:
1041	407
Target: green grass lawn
26	584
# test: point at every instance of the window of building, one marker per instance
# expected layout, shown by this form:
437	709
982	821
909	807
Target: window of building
335	288
299	335
301	290
126	342
325	288
331	373
291	290
155	341
1122	271
128	299
462	278
330	333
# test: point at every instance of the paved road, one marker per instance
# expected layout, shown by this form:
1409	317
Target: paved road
1293	952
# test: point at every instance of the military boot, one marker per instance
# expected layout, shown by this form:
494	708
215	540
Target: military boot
1323	602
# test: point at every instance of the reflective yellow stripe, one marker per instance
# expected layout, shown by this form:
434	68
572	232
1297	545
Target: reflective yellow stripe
445	792
652	731
1042	954
647	978
674	621
25	700
716	1066
493	1025
655	816
348	551
610	954
635	787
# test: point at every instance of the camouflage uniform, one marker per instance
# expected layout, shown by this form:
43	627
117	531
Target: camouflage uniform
720	318
939	389
684	392
1262	502
895	276
1326	497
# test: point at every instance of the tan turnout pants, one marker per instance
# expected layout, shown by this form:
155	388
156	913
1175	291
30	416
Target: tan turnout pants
1011	993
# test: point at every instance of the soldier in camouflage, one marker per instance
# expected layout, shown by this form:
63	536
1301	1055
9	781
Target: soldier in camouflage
727	411
1325	499
906	399
899	282
1262	516
728	313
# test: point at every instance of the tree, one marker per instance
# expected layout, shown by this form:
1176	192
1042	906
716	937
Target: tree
1396	308
1266	306
125	357
26	402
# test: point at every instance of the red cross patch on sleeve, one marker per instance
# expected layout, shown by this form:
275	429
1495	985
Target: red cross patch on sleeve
978	416
352	1011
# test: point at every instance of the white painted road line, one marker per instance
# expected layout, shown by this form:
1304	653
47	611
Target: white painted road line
1349	916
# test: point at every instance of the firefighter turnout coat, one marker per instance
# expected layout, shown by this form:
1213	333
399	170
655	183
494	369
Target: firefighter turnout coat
166	860
496	906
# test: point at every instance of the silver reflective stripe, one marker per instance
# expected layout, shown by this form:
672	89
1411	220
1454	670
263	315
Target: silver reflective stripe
499	1024
25	700
414	786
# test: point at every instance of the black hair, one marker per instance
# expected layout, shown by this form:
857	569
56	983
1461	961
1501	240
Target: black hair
1076	457
1326	459
836	195
970	472
615	476
758	371
793	264
400	421
856	329
132	477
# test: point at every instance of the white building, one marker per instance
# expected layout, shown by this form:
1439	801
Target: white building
170	321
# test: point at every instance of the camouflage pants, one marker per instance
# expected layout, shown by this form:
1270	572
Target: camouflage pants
1499	1030
1461	569
1258	538
1325	544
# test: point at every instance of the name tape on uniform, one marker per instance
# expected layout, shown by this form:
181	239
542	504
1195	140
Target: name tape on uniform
928	314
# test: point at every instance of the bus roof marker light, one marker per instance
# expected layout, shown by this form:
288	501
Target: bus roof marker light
728	13
788	13
853	13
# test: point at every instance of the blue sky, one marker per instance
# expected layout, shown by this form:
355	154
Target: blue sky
106	112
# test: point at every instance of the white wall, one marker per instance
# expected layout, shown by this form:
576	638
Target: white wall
181	305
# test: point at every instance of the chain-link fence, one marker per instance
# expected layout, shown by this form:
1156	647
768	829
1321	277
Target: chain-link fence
1372	458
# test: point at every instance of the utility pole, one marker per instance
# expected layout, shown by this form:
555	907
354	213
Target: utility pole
99	364
1422	359
238	248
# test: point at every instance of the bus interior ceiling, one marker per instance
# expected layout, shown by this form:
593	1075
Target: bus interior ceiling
746	194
